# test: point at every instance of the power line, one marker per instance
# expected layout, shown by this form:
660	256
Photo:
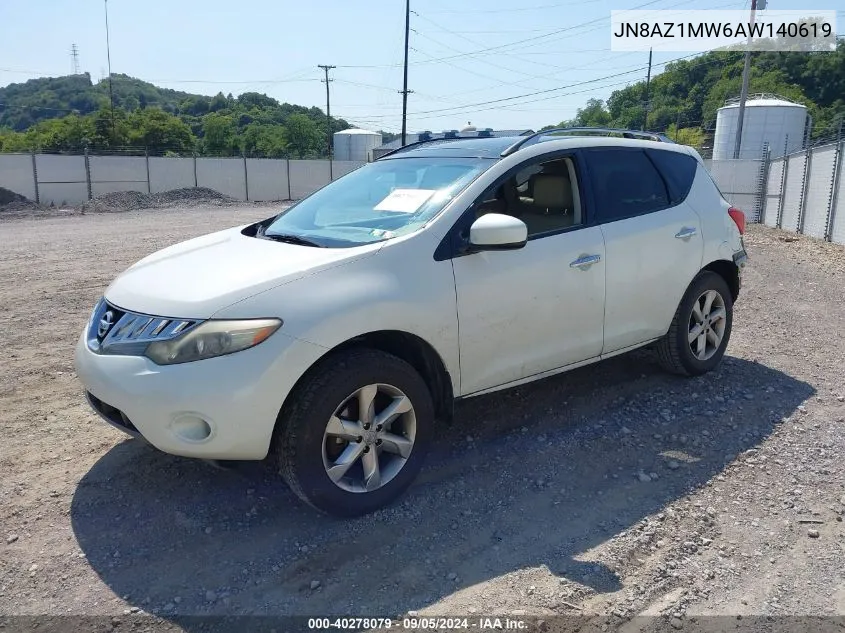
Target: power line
495	102
531	94
533	40
245	82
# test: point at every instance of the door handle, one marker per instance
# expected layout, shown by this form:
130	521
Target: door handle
686	233
585	261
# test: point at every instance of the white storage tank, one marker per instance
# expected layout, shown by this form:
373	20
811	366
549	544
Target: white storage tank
355	144
768	119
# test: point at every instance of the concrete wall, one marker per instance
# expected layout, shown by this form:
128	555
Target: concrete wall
63	179
118	173
268	179
791	207
817	192
225	175
771	206
739	182
171	173
838	210
306	176
16	174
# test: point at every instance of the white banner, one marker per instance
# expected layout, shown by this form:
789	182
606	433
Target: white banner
703	30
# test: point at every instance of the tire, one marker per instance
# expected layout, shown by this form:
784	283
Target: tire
675	351
308	447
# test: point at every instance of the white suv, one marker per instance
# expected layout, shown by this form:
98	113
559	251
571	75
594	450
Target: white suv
337	335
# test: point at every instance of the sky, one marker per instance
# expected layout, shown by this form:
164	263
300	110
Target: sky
503	64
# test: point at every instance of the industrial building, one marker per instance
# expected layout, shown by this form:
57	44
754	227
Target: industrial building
783	124
355	144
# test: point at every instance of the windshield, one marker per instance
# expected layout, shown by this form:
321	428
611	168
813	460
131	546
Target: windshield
378	201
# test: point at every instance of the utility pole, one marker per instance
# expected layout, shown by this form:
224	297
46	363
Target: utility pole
74	55
746	71
108	58
327	68
647	82
405	82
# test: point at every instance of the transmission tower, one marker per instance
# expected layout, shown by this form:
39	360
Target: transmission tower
74	55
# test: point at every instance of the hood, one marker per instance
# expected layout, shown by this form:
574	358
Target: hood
195	279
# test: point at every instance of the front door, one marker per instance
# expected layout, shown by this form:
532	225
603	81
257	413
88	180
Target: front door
541	307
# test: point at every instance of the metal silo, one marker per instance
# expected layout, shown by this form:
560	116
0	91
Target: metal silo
355	144
768	119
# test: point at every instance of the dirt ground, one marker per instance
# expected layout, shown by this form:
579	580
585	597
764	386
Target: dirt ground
606	493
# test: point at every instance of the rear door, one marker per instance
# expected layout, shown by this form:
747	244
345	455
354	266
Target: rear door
652	237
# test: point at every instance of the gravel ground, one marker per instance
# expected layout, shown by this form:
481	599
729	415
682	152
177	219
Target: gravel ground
606	493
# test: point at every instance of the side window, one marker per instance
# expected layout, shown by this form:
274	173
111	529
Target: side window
678	171
625	183
544	195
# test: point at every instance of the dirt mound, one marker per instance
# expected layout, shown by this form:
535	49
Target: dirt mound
11	201
7	196
134	200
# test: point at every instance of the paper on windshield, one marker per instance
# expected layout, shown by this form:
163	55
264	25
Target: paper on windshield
404	200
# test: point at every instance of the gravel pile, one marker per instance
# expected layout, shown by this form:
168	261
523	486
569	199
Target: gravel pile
134	200
11	201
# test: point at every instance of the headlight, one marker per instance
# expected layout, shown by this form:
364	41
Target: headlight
210	339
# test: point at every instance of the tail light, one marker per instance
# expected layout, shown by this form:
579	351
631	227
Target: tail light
739	219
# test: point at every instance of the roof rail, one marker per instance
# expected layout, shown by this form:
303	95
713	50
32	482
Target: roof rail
527	134
607	131
422	142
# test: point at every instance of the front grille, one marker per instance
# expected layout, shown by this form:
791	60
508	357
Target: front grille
116	331
112	414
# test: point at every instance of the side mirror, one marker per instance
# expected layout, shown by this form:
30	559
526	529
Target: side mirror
497	232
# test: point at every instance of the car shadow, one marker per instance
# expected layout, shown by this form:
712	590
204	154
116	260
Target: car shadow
534	476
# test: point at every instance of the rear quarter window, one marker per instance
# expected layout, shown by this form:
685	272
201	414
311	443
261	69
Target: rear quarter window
625	183
678	170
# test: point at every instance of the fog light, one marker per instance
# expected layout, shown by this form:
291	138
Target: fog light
191	428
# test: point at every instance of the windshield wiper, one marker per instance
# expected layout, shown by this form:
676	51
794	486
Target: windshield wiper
291	239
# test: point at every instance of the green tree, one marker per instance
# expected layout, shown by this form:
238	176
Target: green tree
303	136
268	141
692	136
218	134
159	131
593	114
218	102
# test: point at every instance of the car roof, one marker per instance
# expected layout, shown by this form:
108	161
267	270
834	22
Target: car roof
458	148
493	147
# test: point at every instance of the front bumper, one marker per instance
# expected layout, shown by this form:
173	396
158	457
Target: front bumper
218	408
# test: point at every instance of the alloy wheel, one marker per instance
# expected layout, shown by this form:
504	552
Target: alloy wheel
707	323
369	438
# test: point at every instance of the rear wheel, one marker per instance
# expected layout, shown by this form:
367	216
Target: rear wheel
701	327
356	432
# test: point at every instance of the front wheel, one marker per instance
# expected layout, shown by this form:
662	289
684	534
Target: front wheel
355	433
701	328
